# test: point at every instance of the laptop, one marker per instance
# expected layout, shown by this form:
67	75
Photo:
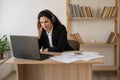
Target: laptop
27	47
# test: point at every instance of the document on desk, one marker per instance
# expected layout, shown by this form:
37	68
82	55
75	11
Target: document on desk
68	57
90	55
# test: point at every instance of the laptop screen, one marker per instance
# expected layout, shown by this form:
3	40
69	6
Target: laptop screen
25	47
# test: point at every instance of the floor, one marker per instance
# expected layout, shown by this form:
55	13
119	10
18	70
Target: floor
105	75
11	76
101	75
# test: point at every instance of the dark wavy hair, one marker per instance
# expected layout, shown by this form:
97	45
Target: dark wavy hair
47	13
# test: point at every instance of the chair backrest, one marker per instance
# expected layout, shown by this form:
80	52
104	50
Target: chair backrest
74	44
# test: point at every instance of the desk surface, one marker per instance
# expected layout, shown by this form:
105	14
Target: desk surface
14	60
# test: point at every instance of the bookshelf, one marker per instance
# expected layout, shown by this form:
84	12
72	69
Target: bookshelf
104	19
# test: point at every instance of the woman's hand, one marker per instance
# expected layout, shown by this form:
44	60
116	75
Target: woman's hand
39	29
46	50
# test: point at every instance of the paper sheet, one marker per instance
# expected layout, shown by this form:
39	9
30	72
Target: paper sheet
68	57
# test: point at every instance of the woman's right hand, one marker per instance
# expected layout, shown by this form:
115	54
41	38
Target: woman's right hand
39	29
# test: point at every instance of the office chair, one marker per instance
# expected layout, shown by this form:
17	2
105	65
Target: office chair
74	44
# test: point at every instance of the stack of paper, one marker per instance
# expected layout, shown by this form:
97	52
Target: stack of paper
68	57
90	55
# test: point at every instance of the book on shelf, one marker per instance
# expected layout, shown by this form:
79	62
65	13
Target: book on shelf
76	37
78	14
84	11
109	12
74	10
71	10
104	12
112	38
89	12
72	37
114	12
80	11
79	38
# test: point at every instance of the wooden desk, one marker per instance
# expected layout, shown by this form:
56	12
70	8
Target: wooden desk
53	70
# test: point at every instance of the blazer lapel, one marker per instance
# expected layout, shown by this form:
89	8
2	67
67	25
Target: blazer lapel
54	35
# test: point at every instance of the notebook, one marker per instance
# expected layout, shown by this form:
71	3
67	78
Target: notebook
27	47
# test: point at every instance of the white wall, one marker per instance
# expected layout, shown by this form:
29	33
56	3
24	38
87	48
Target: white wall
19	17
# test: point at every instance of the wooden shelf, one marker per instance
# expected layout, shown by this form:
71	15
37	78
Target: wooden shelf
97	44
104	68
91	18
116	26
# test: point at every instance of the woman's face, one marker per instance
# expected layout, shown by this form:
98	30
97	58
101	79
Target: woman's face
46	23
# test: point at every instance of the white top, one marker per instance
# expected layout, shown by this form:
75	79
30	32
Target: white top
50	37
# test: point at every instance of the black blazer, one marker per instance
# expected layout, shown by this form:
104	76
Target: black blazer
59	40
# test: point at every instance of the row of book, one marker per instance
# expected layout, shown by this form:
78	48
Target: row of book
109	12
76	37
85	11
77	11
113	37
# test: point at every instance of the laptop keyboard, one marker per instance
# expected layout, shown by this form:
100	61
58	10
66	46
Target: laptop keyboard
43	56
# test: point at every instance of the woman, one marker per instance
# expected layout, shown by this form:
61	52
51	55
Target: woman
51	33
